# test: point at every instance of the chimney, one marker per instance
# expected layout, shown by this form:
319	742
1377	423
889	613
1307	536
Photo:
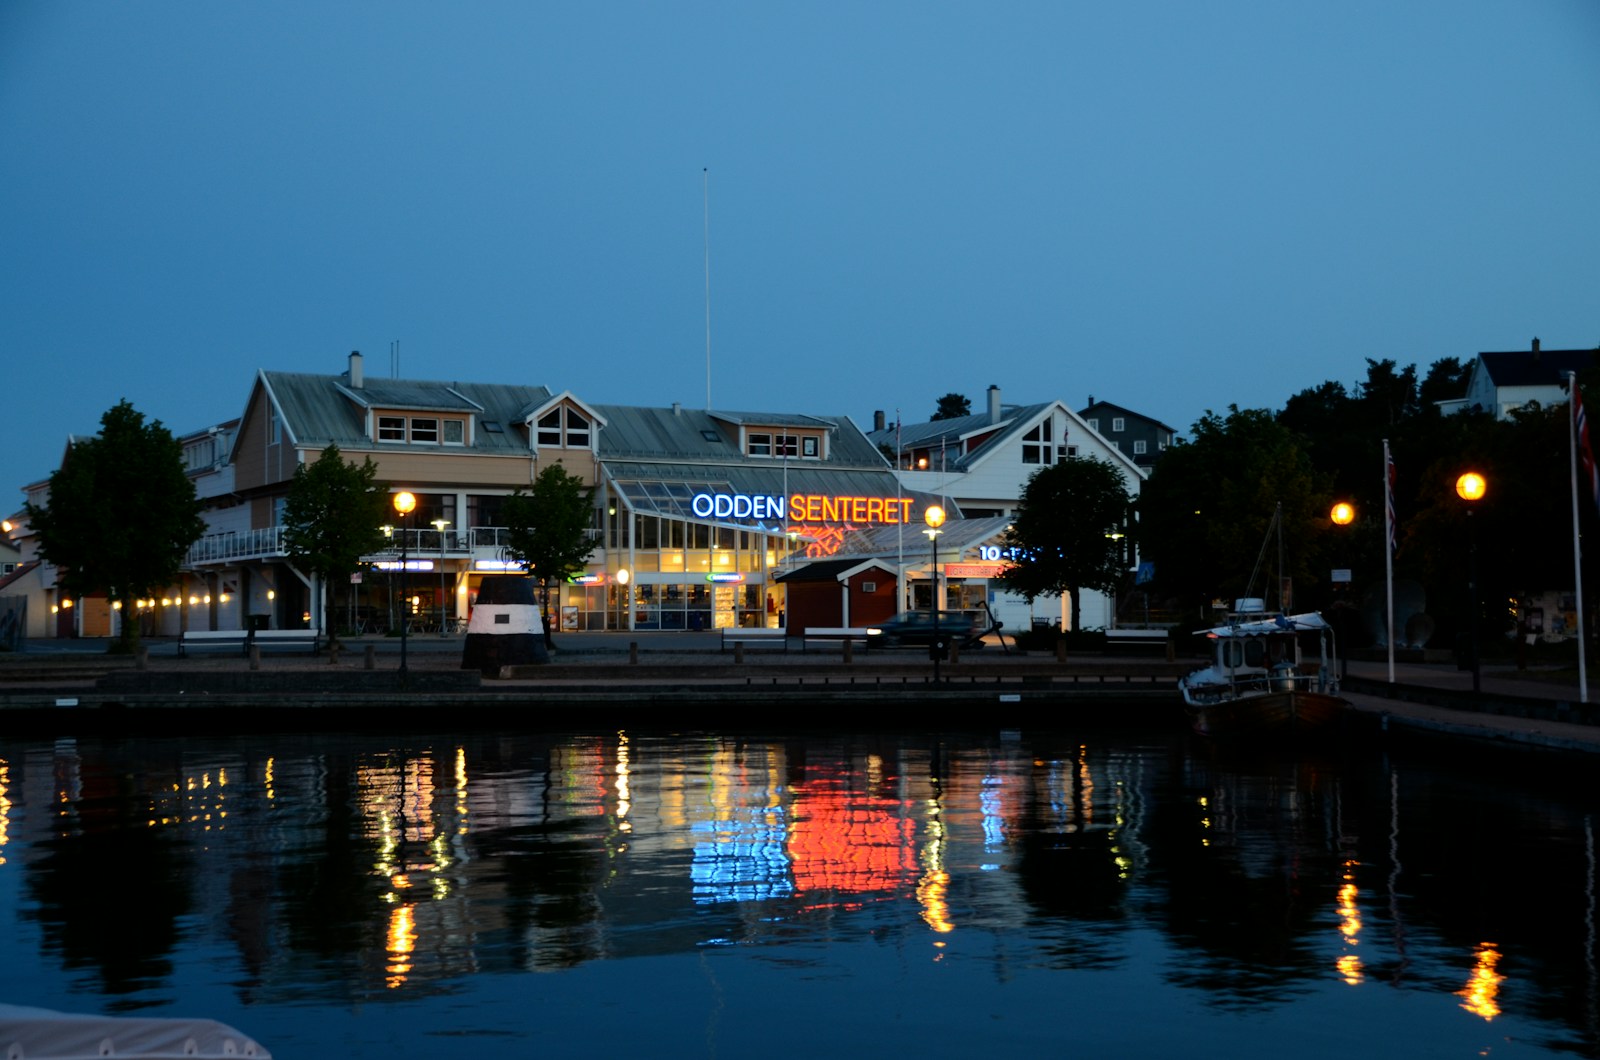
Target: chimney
879	421
355	370
1536	348
677	408
994	404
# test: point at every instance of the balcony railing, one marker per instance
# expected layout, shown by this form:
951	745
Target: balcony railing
240	545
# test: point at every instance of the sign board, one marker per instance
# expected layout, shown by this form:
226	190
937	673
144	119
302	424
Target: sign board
1341	574
975	570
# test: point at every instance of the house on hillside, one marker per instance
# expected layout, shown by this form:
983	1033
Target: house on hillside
1500	383
1129	432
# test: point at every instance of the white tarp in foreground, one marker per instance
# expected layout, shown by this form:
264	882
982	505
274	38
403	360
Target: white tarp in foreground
29	1033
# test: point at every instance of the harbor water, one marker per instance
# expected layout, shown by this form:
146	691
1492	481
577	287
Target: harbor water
777	892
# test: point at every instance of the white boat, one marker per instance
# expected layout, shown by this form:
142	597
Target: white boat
1269	673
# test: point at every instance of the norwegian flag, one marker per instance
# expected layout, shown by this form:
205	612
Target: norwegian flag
1580	423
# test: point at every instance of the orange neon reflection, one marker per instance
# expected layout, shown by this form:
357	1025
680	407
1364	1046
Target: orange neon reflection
848	842
1480	994
1349	964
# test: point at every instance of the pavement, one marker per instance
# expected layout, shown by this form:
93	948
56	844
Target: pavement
1530	708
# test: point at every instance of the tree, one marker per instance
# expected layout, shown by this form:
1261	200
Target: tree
952	406
332	516
121	514
548	528
1067	532
1207	505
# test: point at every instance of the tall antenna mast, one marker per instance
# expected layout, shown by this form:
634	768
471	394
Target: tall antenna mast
705	192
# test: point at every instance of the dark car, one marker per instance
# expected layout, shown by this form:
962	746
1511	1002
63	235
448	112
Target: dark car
916	627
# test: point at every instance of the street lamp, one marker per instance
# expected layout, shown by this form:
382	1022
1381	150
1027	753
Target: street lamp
1342	514
1471	487
439	525
933	515
404	503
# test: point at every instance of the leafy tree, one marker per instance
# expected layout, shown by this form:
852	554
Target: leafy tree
332	516
952	406
1205	510
548	527
1446	380
1067	532
121	514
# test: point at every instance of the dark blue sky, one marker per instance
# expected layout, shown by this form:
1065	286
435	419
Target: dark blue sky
1170	205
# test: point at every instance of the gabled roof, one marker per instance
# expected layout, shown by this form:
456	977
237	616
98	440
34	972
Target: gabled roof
680	434
834	570
1094	408
319	410
1536	367
952	434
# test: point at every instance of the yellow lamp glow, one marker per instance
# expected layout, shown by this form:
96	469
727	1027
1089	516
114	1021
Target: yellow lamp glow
1342	514
405	503
933	515
1471	486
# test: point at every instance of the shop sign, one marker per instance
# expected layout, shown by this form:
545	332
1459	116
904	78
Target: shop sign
975	570
496	564
411	564
587	579
725	576
808	508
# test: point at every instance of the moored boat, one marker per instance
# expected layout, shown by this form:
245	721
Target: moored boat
1262	679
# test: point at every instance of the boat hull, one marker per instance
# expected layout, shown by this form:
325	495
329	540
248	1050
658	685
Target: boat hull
1282	713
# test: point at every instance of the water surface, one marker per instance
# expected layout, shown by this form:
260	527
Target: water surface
761	893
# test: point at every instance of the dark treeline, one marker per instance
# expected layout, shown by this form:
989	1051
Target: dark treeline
1205	511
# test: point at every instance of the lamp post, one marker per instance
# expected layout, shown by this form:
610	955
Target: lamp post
1343	514
933	515
1471	487
439	525
404	503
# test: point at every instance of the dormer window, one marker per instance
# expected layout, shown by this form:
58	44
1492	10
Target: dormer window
564	428
422	430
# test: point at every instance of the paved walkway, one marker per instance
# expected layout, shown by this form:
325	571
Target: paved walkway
1555	686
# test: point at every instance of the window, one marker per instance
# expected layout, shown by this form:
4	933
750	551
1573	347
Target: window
455	432
761	445
787	445
577	430
1036	444
1094	424
869	587
1139	447
425	430
274	428
493	427
1118	425
809	447
711	436
391	428
550	428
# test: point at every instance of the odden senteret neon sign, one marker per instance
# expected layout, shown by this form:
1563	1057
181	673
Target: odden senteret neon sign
810	508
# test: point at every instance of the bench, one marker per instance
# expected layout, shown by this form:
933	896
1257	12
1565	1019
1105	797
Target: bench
1154	640
832	634
226	638
754	636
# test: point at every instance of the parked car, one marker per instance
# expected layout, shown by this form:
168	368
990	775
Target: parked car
916	627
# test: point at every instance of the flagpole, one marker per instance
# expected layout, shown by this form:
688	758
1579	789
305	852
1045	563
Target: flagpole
1573	402
1388	549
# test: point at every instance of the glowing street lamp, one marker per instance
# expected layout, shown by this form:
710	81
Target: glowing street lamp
933	515
439	525
1471	487
1342	514
404	503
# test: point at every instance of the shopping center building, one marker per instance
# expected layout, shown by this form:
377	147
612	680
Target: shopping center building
703	519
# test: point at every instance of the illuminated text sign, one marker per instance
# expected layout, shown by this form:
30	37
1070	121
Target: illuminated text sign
809	508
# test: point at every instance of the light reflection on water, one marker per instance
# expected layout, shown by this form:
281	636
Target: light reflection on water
736	893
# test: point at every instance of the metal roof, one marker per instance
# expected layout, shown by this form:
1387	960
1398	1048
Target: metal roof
320	410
